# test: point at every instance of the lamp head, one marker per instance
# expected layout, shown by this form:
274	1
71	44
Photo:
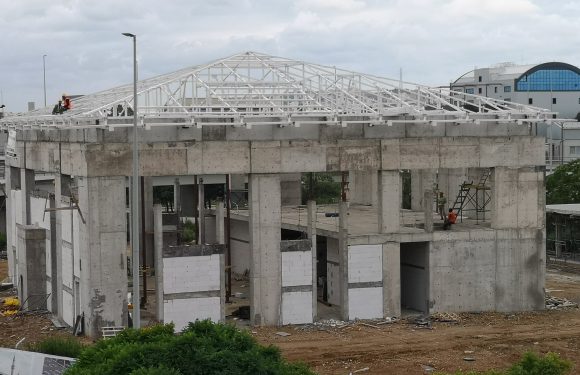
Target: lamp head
129	35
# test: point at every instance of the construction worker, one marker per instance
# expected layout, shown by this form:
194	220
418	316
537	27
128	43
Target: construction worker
441	203
451	219
66	103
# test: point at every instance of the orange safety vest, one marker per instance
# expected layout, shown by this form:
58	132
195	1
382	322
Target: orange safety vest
452	217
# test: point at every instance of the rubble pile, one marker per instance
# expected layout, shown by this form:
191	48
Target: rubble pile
557	303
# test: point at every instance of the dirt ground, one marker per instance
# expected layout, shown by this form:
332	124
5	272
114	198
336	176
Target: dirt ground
493	340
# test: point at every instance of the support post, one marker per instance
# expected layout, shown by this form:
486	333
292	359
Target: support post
428	210
389	201
219	222
265	233
158	240
311	232
343	258
201	199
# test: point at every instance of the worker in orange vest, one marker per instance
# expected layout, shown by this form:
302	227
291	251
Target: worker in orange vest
66	103
451	219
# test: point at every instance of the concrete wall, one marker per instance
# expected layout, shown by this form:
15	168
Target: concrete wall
192	284
488	270
365	281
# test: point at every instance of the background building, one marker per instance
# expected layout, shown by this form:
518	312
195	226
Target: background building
553	85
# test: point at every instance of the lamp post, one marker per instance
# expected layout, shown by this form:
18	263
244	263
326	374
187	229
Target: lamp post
44	76
135	196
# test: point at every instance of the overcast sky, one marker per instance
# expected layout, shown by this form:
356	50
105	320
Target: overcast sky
433	41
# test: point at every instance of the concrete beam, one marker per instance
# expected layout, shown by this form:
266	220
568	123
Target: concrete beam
158	240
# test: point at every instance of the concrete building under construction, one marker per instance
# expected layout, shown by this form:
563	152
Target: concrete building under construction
265	121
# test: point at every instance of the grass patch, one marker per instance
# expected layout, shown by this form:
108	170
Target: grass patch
61	346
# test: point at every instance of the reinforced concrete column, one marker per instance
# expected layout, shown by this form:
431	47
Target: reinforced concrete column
391	279
103	252
56	252
421	180
363	187
343	258
158	264
148	219
311	232
201	201
428	210
220	237
27	187
389	202
12	182
265	235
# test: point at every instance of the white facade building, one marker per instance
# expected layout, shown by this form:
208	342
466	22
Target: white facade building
553	85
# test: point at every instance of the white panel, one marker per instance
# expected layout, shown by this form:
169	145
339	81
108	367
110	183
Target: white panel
333	283
296	268
365	303
296	307
365	263
76	243
66	216
191	274
67	308
37	214
183	311
67	265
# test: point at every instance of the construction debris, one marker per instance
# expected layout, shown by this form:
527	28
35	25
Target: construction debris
557	303
365	369
445	317
283	334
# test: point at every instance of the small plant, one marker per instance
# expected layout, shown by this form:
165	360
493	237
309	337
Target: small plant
530	364
61	346
533	364
188	232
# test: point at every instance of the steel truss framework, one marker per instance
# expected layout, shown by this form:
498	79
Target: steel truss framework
252	88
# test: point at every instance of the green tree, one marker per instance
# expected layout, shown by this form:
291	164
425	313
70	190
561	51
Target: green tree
563	186
324	188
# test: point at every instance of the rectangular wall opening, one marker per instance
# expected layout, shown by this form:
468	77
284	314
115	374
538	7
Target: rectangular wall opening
414	278
327	271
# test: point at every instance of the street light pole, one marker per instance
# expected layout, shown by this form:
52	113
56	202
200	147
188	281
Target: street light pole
44	76
135	196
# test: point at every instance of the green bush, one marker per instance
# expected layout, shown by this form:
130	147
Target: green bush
61	346
201	348
531	364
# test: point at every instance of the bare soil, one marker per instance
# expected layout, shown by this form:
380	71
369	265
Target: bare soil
495	340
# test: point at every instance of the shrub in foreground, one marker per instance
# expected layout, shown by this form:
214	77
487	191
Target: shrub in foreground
201	348
531	364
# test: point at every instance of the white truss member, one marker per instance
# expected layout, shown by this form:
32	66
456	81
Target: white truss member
252	88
